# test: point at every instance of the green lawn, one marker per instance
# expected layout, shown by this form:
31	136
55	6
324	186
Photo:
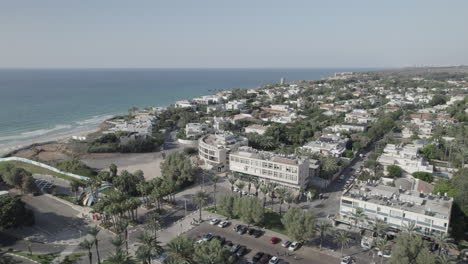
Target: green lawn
44	259
36	169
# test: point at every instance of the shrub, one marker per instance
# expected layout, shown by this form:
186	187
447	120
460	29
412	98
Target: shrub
425	176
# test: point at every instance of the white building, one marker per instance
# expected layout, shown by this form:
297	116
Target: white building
213	149
235	104
359	116
397	208
288	171
406	157
185	104
330	144
194	130
208	99
214	108
259	129
350	127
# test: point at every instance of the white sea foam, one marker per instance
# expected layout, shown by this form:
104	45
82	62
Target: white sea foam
36	133
94	120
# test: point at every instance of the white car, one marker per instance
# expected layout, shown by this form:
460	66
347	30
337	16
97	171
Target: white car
294	246
223	224
274	260
214	221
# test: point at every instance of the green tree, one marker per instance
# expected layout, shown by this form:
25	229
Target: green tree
281	193
226	205
214	180
410	248
28	185
87	245
178	169
394	171
343	238
425	176
323	229
299	224
201	199
232	181
149	248
211	252
382	245
13	213
113	170
249	210
180	250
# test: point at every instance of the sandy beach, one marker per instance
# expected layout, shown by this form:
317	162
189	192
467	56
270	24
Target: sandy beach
60	138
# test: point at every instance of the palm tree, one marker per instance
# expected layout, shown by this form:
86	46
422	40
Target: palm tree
94	231
153	223
240	185
180	250
264	190
120	257
323	228
289	199
343	238
201	199
214	179
271	191
149	247
232	181
87	245
257	185
444	259
122	227
410	228
380	227
445	242
382	245
281	192
358	216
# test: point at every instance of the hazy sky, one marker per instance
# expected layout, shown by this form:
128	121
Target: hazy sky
232	33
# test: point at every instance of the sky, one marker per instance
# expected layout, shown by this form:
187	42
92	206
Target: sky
232	34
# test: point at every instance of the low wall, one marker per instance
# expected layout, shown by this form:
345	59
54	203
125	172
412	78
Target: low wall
44	166
192	143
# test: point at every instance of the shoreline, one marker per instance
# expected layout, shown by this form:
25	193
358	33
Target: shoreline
10	148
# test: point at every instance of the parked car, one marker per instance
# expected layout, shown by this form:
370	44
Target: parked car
265	258
241	251
214	221
257	233
242	230
228	244
346	260
274	260
223	223
294	246
251	231
238	227
207	237
274	240
234	248
257	256
286	244
220	239
386	253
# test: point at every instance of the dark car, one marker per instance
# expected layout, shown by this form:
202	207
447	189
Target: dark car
251	231
228	244
257	233
220	239
238	227
265	258
257	256
242	230
207	237
234	248
241	251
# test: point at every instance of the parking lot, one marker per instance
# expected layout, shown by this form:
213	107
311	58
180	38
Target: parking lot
263	244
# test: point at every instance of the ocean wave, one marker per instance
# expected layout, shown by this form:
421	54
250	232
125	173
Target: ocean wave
36	133
94	120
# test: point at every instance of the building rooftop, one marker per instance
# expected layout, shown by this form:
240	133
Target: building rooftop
270	156
222	139
427	204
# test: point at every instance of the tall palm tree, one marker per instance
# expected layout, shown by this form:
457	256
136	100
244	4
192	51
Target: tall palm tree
289	199
444	259
87	245
120	257
201	199
281	192
343	238
122	228
379	226
250	179
153	222
382	245
358	216
94	231
444	241
214	179
271	191
257	185
264	190
149	247
410	228
232	181
180	250
240	185
323	228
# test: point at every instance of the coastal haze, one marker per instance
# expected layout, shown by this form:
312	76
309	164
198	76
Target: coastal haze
45	104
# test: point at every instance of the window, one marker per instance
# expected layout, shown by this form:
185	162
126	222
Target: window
346	201
378	209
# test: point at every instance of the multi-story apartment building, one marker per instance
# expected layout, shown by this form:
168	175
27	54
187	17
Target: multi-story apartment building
359	116
288	171
213	149
406	157
329	144
397	208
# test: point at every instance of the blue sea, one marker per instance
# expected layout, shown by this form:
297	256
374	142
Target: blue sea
38	103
